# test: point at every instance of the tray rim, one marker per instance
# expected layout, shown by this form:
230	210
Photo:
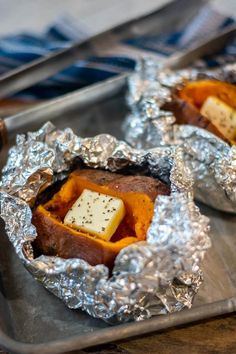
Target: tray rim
110	334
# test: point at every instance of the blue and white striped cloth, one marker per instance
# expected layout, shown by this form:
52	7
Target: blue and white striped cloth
23	48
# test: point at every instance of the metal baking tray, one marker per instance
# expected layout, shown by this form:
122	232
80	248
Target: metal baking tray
164	19
32	320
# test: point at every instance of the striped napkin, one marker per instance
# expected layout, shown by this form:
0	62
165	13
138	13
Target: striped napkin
22	48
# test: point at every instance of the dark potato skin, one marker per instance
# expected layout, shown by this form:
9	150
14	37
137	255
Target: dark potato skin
186	113
56	239
97	176
144	184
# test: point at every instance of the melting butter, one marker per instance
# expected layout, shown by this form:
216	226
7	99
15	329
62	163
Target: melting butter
96	213
221	115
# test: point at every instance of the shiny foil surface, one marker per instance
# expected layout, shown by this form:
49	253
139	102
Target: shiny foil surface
212	162
152	277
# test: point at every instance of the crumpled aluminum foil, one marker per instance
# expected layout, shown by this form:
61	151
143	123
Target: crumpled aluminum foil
155	276
211	161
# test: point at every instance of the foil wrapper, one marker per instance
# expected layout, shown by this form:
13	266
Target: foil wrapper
211	161
152	277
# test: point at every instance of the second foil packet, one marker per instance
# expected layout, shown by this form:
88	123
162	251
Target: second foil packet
151	123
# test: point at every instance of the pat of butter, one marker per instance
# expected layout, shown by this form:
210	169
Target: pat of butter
221	115
96	213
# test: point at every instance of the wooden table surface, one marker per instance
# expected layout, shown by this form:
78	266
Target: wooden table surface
215	336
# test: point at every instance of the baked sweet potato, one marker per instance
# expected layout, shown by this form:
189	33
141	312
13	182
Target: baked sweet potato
187	113
187	103
138	194
196	92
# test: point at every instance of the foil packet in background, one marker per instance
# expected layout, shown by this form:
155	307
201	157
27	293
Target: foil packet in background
156	276
212	161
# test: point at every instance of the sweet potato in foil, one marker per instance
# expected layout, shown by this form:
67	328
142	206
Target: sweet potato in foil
188	101
57	239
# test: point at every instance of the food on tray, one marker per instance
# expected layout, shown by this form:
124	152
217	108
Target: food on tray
95	214
221	115
208	104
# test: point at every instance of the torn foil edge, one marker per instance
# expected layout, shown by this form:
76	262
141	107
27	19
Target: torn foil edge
156	276
211	161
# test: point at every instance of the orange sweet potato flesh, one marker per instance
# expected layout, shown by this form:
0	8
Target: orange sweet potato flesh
196	92
55	238
187	102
